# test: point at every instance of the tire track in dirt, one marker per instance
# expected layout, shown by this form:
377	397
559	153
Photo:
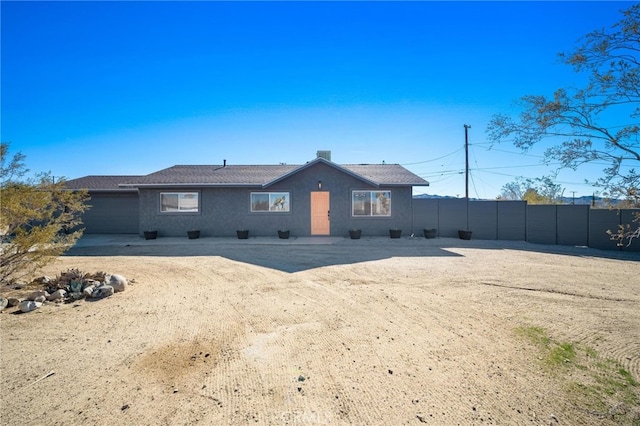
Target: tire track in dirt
598	295
404	311
197	333
556	312
398	315
363	303
368	302
328	376
232	381
243	376
302	318
554	291
388	341
469	334
192	335
295	325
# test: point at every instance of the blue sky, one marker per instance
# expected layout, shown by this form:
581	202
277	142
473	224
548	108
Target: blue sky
134	87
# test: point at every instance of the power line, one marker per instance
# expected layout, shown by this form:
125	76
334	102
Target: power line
518	167
442	172
445	179
473	183
481	169
434	159
449	172
524	154
488	184
557	181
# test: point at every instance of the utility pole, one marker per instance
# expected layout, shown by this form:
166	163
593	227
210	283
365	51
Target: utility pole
466	169
466	161
573	197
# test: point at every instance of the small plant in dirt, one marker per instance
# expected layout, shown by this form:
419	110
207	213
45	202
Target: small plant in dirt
598	386
71	279
70	275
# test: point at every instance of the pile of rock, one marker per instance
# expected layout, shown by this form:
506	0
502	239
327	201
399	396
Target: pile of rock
69	286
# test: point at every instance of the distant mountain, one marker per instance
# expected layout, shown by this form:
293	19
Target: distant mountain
590	200
429	196
584	200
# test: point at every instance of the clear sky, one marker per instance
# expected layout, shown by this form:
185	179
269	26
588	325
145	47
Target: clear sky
135	87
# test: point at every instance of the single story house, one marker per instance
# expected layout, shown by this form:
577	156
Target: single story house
316	198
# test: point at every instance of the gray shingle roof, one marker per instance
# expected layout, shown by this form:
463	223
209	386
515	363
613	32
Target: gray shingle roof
246	175
232	175
104	183
386	174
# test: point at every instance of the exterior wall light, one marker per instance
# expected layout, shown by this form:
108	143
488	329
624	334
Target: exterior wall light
319	185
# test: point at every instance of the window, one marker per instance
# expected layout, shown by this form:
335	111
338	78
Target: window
179	202
371	203
270	202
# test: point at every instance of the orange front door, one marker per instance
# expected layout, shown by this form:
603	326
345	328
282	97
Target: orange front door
320	213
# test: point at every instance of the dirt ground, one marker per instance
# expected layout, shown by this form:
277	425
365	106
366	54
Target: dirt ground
368	332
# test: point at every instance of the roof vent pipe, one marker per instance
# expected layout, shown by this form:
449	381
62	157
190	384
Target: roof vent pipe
224	163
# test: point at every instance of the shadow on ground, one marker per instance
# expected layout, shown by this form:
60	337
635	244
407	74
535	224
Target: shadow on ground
287	257
308	253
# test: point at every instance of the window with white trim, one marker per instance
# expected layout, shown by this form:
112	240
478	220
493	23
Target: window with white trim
179	202
371	203
270	202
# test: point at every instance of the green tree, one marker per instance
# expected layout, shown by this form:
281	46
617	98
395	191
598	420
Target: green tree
532	196
542	190
39	218
512	191
597	123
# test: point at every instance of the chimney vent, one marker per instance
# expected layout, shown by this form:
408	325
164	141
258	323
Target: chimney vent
324	154
224	163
